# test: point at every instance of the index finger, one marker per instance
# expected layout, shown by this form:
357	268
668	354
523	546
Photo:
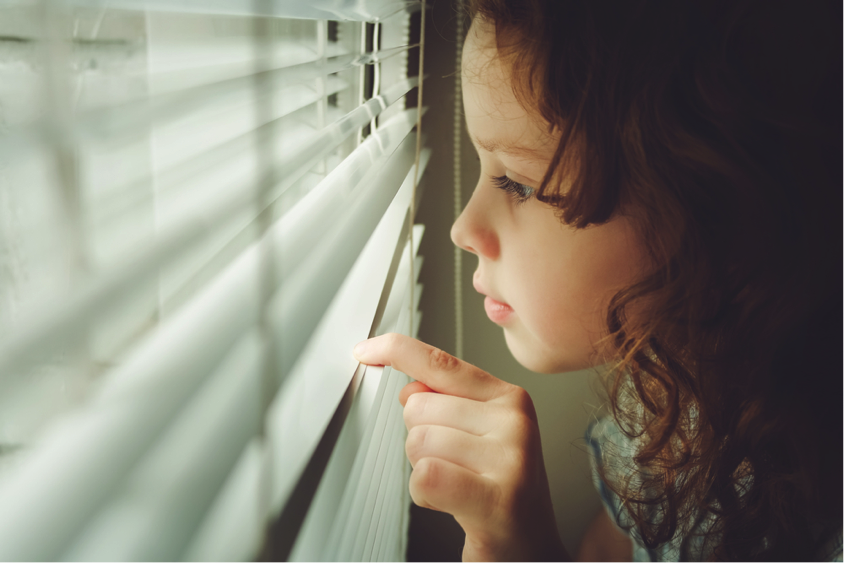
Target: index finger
439	370
431	366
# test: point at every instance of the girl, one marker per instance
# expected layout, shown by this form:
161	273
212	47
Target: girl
659	184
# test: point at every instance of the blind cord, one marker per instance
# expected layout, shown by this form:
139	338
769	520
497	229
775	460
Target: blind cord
458	191
416	164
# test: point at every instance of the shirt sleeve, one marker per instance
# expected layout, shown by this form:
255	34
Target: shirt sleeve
606	444
613	451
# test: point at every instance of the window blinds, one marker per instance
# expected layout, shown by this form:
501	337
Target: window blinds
204	205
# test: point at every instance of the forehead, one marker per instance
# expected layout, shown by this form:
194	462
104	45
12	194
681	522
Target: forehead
494	115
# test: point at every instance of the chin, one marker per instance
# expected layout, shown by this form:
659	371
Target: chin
534	356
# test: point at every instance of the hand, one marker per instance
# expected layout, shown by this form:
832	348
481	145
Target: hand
473	442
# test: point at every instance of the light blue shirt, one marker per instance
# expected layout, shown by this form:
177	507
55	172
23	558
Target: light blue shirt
612	449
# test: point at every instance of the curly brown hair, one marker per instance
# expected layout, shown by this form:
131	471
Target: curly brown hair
714	126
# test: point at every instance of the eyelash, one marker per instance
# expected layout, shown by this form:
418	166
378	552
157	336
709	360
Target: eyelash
519	192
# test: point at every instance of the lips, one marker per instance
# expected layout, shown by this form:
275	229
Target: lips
497	311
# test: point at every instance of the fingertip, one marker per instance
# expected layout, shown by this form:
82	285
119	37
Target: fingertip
363	352
359	350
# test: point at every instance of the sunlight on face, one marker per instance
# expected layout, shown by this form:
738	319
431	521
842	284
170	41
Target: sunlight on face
548	285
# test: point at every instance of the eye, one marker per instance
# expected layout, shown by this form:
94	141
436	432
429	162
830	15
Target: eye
519	192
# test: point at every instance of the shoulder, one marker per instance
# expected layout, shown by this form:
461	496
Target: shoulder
613	451
612	454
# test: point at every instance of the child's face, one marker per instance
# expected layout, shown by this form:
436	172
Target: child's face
552	283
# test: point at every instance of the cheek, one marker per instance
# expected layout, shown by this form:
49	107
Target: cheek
571	318
560	317
572	278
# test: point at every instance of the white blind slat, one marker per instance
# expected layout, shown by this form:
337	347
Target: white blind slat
167	493
343	534
139	400
327	501
51	324
315	385
389	526
342	537
232	122
232	529
360	10
306	223
393	441
302	299
216	198
127	120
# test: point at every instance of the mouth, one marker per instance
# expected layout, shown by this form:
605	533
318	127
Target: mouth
497	311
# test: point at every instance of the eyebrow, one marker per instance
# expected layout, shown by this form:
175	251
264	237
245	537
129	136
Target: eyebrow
492	145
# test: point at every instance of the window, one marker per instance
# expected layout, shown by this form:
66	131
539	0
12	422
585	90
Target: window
203	207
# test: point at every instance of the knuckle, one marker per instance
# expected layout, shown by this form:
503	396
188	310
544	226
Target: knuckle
523	403
425	475
415	443
520	447
423	479
521	424
442	361
415	492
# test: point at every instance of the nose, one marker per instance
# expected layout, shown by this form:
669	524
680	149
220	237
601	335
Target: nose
474	229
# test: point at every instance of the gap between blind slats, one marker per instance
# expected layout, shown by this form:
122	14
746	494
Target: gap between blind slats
127	120
52	324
